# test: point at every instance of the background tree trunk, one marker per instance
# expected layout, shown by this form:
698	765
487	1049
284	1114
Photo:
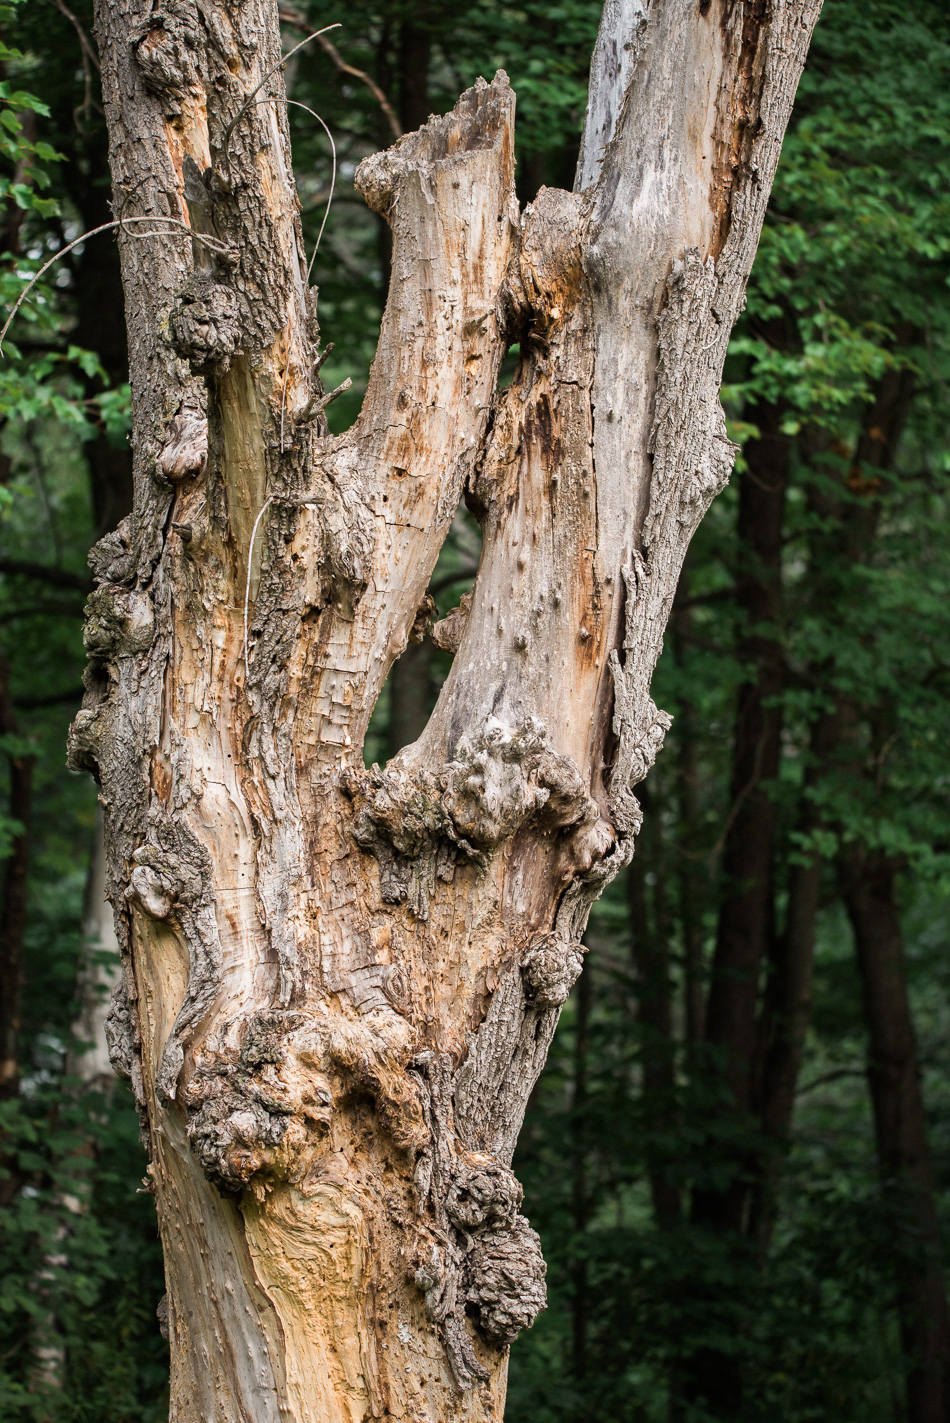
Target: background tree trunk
901	1130
13	903
340	985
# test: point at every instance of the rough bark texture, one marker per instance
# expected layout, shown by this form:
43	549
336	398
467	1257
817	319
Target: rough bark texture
339	984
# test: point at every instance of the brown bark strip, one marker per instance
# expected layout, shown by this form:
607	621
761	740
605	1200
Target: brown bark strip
340	985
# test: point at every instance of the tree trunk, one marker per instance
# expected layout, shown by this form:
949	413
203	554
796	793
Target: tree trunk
580	1186
746	918
746	926
88	1058
900	1126
339	985
690	877
651	965
787	1010
13	904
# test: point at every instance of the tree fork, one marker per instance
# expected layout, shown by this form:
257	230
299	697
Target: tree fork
339	984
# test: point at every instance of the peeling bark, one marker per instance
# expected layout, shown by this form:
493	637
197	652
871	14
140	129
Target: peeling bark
340	985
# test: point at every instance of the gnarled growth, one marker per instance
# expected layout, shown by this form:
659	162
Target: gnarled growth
340	984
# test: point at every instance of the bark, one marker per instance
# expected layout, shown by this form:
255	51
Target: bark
339	985
901	1130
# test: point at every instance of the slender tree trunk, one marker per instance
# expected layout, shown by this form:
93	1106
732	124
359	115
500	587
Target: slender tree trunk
413	59
787	1010
89	1056
340	985
901	1131
690	877
651	964
14	903
580	1189
746	918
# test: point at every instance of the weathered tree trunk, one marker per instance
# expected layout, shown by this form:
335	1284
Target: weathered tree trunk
901	1130
339	984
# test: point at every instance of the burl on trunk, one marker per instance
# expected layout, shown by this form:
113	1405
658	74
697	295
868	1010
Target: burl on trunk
340	984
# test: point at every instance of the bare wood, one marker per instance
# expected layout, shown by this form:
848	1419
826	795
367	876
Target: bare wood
339	984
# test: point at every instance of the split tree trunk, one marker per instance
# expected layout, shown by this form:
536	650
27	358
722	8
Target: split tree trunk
339	984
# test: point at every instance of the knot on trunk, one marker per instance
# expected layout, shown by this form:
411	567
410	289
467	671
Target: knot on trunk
185	452
242	1106
161	882
205	327
550	969
261	1111
117	623
165	50
485	1261
447	634
482	1194
505	1285
84	741
171	880
508	774
112	559
416	823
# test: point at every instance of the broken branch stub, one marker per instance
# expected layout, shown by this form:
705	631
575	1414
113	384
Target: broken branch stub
340	984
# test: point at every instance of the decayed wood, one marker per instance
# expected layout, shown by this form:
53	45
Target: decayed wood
339	984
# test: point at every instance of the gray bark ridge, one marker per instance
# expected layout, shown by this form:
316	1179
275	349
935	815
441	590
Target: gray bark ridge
339	984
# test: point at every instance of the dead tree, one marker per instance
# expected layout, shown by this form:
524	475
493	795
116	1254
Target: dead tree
340	984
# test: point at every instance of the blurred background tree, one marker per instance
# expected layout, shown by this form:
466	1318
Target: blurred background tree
739	1155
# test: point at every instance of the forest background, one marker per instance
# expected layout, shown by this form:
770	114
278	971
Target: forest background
738	1157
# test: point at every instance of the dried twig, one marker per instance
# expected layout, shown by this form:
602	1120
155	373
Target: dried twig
292	17
316	246
248	103
221	248
89	57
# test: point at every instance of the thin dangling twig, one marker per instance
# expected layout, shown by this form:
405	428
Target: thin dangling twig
211	243
269	75
247	587
283	393
291	17
326	211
